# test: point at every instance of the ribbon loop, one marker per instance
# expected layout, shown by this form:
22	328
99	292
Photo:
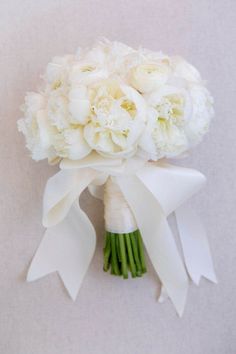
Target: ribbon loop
62	190
171	185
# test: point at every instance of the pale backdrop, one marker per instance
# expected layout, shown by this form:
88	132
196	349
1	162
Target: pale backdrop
111	315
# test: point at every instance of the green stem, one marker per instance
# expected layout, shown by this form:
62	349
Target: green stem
114	261
130	255
136	255
107	252
118	247
124	252
141	250
123	256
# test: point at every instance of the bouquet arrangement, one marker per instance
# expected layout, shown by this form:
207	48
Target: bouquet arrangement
111	116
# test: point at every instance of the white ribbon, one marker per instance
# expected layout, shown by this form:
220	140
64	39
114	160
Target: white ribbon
118	216
152	191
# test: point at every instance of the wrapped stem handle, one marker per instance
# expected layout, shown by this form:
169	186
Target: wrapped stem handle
123	250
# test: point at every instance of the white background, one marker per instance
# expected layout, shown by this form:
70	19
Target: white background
112	315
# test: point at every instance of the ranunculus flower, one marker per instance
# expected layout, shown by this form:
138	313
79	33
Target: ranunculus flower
149	76
87	72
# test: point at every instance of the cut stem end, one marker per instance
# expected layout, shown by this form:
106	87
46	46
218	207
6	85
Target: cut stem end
124	253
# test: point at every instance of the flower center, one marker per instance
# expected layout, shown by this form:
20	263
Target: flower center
87	68
171	109
56	84
130	107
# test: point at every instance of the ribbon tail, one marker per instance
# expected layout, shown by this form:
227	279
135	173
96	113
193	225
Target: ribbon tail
67	248
163	295
157	238
195	245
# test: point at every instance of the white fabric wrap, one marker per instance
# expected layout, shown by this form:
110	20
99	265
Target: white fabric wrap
138	194
117	213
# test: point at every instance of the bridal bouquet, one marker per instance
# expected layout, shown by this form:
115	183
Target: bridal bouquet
111	117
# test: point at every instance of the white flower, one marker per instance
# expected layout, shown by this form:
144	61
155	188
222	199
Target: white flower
70	143
79	105
33	103
168	110
119	102
113	57
177	120
57	109
57	71
184	70
87	72
202	114
149	76
66	114
36	126
162	139
117	119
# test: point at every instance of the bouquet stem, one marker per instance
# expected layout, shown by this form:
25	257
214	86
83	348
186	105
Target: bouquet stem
124	253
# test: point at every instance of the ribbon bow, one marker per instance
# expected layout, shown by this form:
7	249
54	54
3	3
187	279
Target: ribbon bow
153	191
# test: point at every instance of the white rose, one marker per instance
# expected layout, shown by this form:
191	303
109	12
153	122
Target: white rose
148	77
117	119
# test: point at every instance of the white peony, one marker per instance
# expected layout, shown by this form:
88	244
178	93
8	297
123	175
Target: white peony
202	114
70	143
168	111
67	119
117	101
182	69
113	57
79	105
57	71
177	120
116	120
36	126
